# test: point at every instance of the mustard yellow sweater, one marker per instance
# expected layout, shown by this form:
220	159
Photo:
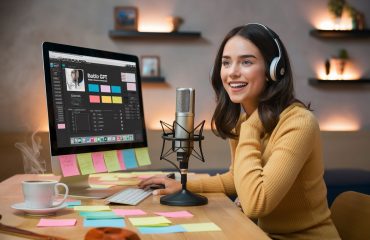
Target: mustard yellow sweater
278	177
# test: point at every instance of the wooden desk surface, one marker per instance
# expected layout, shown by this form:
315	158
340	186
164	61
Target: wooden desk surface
220	210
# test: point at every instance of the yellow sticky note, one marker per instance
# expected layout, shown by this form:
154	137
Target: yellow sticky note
111	161
150	221
142	156
201	227
116	99
108	178
100	186
85	163
92	208
106	99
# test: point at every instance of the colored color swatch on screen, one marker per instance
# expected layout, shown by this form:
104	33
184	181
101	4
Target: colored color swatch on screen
116	89
150	221
93	87
56	222
106	99
161	230
61	126
94	99
104	223
142	156
98	161
120	160
116	99
131	86
111	161
68	164
85	162
201	227
105	88
129	158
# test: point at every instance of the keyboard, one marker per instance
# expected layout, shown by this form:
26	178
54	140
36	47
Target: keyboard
130	196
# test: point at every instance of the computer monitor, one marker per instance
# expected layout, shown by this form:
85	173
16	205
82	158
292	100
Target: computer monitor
94	103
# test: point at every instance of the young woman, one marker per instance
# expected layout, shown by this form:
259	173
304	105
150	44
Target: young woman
276	164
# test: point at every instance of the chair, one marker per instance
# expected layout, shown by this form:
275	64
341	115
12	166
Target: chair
351	215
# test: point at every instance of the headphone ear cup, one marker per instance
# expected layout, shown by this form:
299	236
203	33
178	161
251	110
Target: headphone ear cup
273	69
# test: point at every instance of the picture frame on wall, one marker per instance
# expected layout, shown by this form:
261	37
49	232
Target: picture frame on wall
150	66
125	18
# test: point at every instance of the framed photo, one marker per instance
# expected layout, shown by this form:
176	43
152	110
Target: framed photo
150	66
125	18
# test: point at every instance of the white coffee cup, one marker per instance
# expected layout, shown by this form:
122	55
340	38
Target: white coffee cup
41	194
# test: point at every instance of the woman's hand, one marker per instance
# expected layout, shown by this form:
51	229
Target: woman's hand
171	185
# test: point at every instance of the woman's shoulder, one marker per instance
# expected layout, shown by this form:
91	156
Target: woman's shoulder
298	113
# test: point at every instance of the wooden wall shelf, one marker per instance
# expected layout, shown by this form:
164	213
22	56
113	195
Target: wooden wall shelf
153	79
316	81
135	34
340	33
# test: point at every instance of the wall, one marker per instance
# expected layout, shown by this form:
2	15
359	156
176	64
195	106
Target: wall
26	24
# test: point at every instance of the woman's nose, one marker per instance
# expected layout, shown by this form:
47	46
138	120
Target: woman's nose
234	71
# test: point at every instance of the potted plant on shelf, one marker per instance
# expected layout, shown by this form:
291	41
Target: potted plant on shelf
343	58
336	8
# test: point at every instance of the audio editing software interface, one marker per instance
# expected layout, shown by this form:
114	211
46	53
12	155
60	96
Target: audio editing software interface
95	100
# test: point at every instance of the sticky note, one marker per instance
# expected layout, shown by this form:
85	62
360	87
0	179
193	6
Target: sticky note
92	208
150	221
56	222
201	227
94	99
111	161
120	160
85	163
108	178
116	99
177	214
104	223
142	156
100	215
73	203
131	86
69	165
100	186
129	212
98	161
105	88
129	158
106	99
93	87
168	229
116	89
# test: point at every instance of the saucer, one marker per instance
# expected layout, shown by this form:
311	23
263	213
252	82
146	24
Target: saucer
35	211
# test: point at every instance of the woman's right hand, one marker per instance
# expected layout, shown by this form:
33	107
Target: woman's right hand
171	185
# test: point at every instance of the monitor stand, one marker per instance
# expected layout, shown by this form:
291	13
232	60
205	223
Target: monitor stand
79	187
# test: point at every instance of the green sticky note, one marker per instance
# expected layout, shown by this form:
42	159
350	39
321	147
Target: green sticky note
100	215
150	221
201	227
111	161
85	163
142	156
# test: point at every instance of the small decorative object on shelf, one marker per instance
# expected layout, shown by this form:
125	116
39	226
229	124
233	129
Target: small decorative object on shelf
176	22
126	18
327	67
150	66
343	58
336	8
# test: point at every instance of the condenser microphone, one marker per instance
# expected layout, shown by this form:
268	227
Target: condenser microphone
184	123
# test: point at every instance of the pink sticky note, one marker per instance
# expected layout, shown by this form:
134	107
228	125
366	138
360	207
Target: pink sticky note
177	214
131	86
98	161
69	165
120	160
56	222
129	212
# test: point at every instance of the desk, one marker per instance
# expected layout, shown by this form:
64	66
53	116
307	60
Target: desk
220	210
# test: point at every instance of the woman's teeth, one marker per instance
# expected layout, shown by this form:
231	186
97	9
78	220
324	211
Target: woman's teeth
237	85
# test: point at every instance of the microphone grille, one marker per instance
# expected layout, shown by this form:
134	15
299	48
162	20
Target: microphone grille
185	100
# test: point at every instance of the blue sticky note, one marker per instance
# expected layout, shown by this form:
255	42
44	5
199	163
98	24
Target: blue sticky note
169	229
74	203
93	87
129	158
104	223
100	215
116	89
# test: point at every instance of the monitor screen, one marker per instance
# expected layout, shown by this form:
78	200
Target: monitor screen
94	100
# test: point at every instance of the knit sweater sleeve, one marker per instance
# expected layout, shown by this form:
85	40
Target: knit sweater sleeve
261	188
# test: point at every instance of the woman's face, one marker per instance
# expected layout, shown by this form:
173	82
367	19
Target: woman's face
243	72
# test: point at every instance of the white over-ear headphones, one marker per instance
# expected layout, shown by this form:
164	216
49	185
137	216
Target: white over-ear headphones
277	66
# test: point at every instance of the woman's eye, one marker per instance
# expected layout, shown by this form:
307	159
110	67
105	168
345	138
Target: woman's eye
225	63
246	62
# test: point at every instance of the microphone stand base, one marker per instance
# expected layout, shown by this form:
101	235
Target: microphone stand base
183	198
